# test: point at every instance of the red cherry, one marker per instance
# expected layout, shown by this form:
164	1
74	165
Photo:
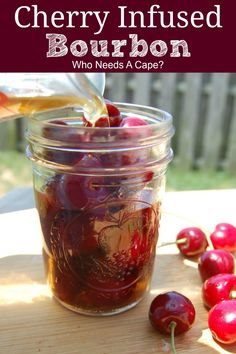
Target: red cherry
48	132
63	157
171	307
224	237
217	288
114	114
171	313
59	156
102	122
222	321
225	226
131	131
114	117
215	262
128	122
76	191
112	110
191	241
134	128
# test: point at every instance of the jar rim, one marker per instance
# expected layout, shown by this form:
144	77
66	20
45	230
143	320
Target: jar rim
154	137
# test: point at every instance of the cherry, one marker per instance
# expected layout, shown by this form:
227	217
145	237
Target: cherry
191	241
217	288
63	157
213	262
171	307
76	191
50	132
129	122
134	129
120	159
102	122
132	122
224	237
114	117
171	313
57	155
222	321
114	114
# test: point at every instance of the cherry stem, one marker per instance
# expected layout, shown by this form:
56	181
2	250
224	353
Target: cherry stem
232	294
173	324
180	241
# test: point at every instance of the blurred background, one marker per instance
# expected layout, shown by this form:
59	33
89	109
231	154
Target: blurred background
204	109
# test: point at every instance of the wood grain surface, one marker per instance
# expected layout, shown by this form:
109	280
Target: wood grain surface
32	322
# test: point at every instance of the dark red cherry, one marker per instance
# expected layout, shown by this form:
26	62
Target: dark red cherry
55	155
214	262
114	117
222	321
112	110
172	313
224	237
50	132
191	241
217	288
102	122
81	189
114	114
171	307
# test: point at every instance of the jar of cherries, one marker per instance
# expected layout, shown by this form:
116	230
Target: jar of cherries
98	192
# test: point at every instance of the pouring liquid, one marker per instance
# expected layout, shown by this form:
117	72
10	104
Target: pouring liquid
71	92
14	107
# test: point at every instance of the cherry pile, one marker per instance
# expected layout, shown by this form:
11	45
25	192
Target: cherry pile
216	268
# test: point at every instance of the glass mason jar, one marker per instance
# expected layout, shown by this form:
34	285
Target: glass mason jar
98	193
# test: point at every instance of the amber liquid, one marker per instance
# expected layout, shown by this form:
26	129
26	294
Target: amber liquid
13	107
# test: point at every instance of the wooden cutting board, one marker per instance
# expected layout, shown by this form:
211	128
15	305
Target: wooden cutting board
32	322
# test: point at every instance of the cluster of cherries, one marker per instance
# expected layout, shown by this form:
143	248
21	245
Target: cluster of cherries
172	312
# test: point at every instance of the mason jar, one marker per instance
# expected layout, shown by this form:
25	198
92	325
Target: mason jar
98	193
